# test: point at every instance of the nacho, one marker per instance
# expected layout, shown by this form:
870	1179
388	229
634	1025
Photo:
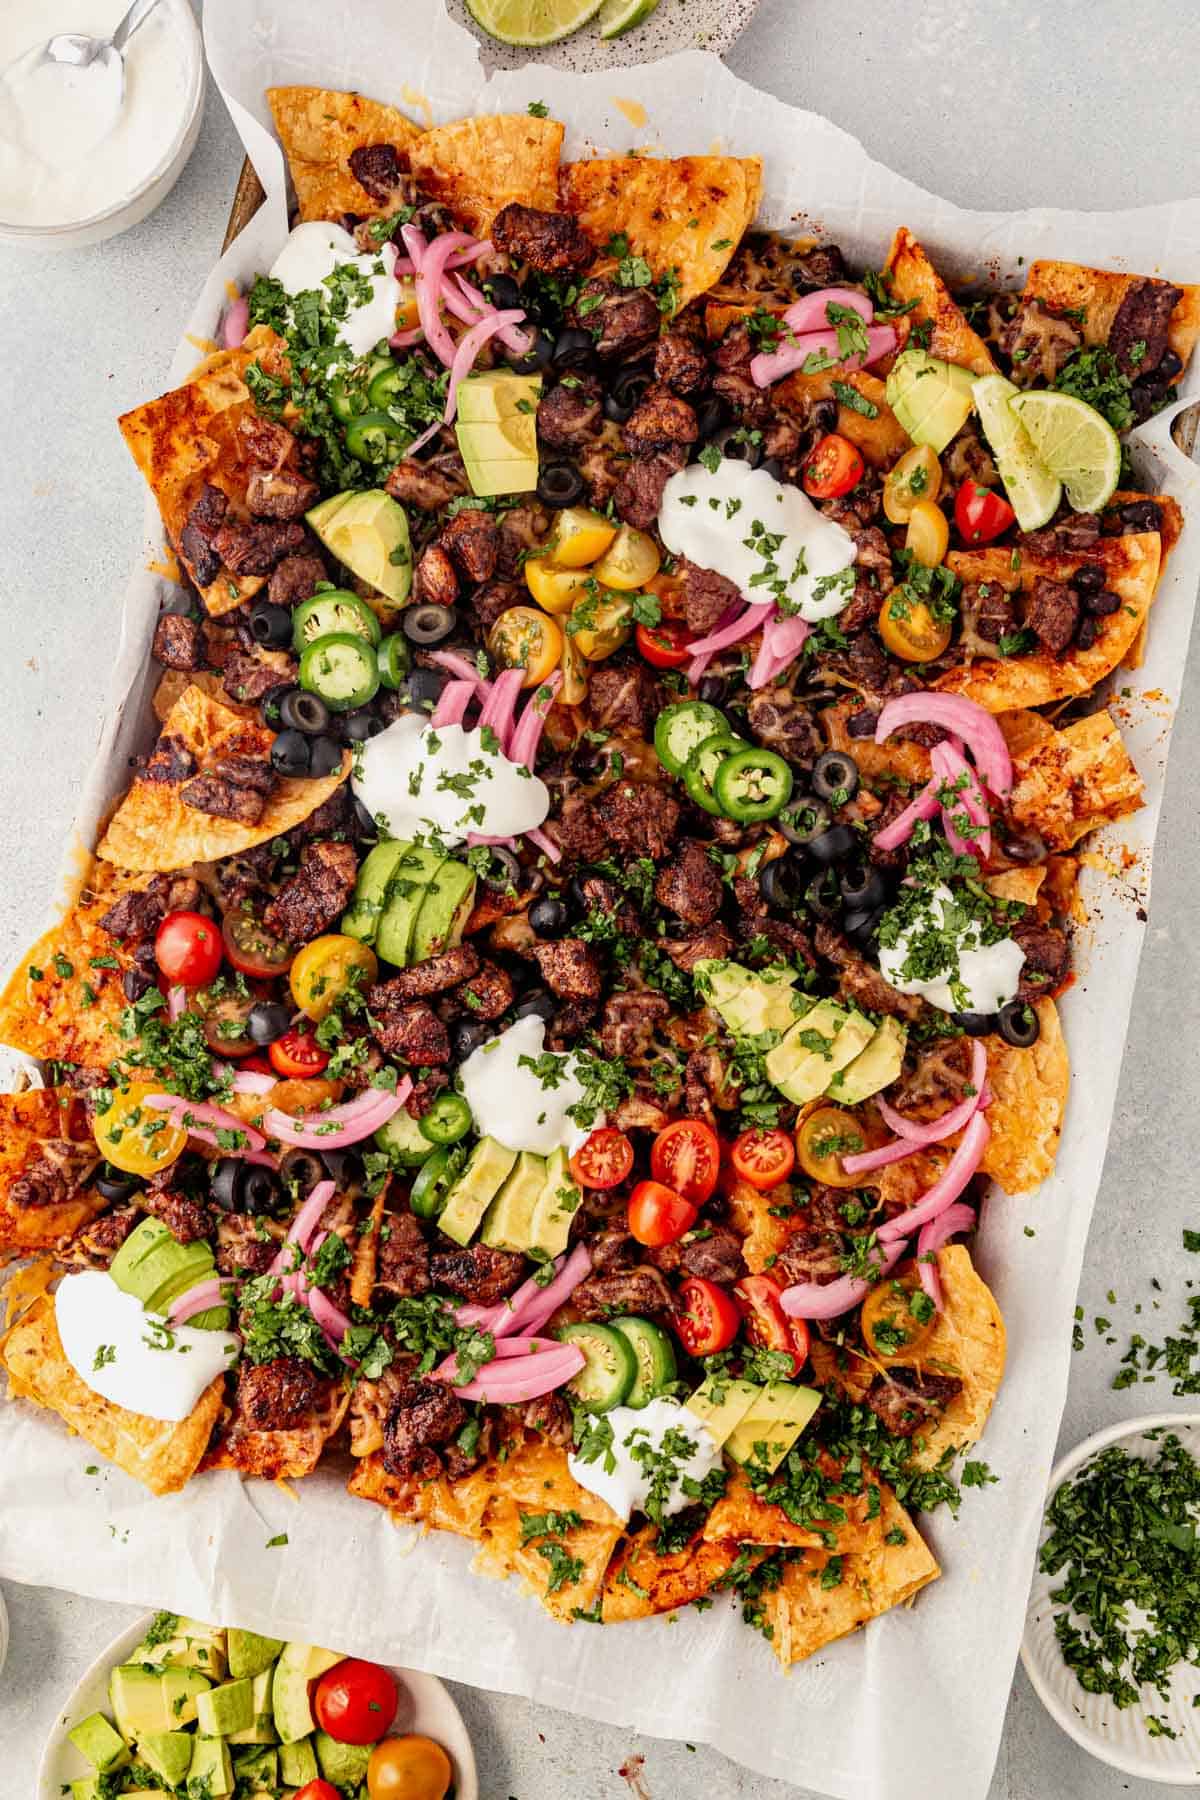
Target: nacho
877	433
63	1001
153	828
1029	1100
280	1454
913	277
320	130
478	166
1078	780
684	217
1094	296
440	1504
641	1581
162	1455
562	1564
47	1154
742	1516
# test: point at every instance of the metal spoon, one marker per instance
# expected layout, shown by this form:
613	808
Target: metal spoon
79	51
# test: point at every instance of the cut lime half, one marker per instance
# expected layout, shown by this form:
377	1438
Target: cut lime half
532	23
1033	492
1076	443
620	16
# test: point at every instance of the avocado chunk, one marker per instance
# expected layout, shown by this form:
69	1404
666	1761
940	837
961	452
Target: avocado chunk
497	431
721	1405
767	1431
257	1769
298	1665
104	1748
225	1709
152	1700
550	1226
406	892
167	1753
444	911
368	533
343	1764
298	1763
931	398
262	1731
804	1063
88	1787
404	1142
156	1268
210	1763
488	1168
250	1654
361	919
752	1001
874	1068
509	1221
192	1644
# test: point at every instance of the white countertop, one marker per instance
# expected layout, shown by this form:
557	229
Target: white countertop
990	102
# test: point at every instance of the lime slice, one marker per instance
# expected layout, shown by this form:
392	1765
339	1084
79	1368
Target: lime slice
1076	443
619	16
1033	492
532	22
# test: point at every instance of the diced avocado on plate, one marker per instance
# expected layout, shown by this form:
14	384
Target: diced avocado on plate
250	1654
343	1764
211	1763
167	1753
152	1700
444	911
721	1405
488	1168
752	1001
804	1063
104	1748
226	1709
508	1224
932	399
771	1425
550	1227
257	1769
874	1068
368	532
298	1665
497	431
298	1763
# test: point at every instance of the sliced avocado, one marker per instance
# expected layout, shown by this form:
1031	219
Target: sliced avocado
361	919
298	1665
752	1001
250	1654
158	1269
497	431
444	911
210	1763
147	1700
193	1644
802	1064
404	1141
931	398
167	1753
722	1405
104	1748
488	1168
874	1068
499	396
369	533
257	1770
343	1764
406	894
770	1427
298	1763
508	1224
226	1709
550	1227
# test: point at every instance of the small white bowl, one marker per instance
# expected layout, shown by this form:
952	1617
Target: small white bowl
1113	1735
134	207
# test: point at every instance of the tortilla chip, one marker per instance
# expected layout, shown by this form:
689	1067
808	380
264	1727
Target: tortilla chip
1022	885
153	829
44	1008
898	756
1061	893
640	1582
1097	295
535	1476
442	1505
1029	1089
1082	777
1172	525
175	683
881	438
319	130
1024	730
913	277
744	1517
575	1563
161	1454
810	1609
1131	569
684	216
477	166
54	1118
187	440
285	1455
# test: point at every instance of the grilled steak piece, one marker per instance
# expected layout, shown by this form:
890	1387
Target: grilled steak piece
1052	613
479	1273
640	818
1137	336
433	976
179	643
660	421
246	1244
280	494
630	1020
550	242
376	167
276	1395
312	899
424	485
639	1290
473	541
716	1256
690	886
248	678
1047	958
235	787
424	1415
57	1168
255	549
680	362
187	1220
413	1033
686	952
638	495
1038	342
905	1399
623	695
402	1265
136	916
570	968
706	597
295	579
569	414
623	321
436	580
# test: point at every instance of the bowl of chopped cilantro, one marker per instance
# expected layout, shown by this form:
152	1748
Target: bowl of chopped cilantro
1112	1635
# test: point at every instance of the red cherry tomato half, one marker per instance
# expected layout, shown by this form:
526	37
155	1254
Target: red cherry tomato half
763	1158
833	467
605	1160
259	1063
981	514
188	949
707	1319
297	1054
767	1325
318	1790
687	1157
251	948
665	646
356	1702
658	1215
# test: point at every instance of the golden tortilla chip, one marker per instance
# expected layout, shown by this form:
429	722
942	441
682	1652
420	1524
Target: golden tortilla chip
175	683
744	1517
1171	514
1000	684
45	1131
1082	777
1022	885
640	1582
913	277
283	1455
478	166
1061	893
153	828
187	440
875	761
1029	1089
684	216
563	1568
881	438
442	1505
319	130
535	1476
1024	730
161	1454
1096	294
64	999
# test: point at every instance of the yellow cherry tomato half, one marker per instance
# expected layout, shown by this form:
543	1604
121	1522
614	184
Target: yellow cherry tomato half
600	623
325	970
928	536
523	638
409	1768
822	1139
555	590
580	536
898	1316
631	560
573	691
917	476
137	1138
910	630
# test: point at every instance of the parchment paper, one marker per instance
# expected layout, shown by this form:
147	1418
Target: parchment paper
912	1707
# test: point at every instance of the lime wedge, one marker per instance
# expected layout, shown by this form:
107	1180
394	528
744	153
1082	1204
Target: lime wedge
1076	443
1033	492
532	22
620	16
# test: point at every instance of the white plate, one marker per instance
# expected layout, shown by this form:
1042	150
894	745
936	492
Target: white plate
1118	1737
676	25
425	1706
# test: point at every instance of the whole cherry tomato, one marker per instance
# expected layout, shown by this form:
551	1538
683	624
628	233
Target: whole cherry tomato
356	1701
409	1768
187	948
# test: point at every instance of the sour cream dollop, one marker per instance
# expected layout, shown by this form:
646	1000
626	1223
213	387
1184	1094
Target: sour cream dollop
522	1105
984	976
766	537
660	1439
313	251
133	1357
416	778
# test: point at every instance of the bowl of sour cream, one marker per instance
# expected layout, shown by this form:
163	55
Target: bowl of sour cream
82	158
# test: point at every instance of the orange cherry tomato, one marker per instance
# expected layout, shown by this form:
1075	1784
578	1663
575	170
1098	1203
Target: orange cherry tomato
297	1054
767	1325
833	467
356	1701
687	1158
666	645
187	948
707	1319
764	1158
605	1160
823	1138
409	1768
658	1215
